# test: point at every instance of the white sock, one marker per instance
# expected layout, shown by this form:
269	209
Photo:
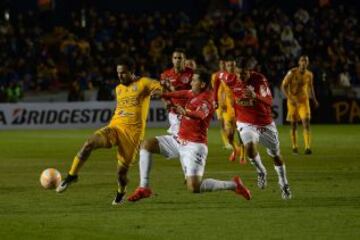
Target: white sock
144	166
256	161
281	172
212	185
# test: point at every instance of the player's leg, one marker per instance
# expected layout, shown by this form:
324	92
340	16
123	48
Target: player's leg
250	138
148	147
223	133
165	145
307	135
270	139
194	157
97	140
122	180
280	169
128	145
293	136
304	112
292	117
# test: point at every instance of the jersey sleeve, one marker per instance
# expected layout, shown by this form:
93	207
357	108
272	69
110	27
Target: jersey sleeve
151	85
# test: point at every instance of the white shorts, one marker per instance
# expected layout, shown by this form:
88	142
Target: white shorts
174	124
267	136
192	155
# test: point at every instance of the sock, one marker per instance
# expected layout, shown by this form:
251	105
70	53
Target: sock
306	139
281	172
75	166
145	167
293	136
212	185
224	138
256	161
242	151
121	189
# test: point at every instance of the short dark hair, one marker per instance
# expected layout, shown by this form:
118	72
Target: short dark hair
204	76
229	58
126	61
179	50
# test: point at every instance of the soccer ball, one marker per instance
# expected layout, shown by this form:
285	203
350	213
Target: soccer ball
50	178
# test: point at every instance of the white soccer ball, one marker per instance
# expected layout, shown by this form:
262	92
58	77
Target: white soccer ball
50	178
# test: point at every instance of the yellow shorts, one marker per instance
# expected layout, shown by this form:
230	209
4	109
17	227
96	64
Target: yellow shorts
127	138
227	117
298	112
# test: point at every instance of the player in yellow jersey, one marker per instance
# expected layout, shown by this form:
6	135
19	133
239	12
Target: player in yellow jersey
298	87
226	113
125	130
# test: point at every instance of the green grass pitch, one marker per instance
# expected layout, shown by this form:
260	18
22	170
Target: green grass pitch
325	185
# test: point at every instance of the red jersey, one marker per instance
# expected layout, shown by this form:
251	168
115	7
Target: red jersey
199	111
173	81
254	111
228	78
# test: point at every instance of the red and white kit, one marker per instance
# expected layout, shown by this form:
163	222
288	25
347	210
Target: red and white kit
173	81
254	116
191	143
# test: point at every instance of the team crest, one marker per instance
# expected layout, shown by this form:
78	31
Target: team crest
184	79
135	88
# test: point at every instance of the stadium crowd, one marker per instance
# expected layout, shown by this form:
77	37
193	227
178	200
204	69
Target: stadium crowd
80	53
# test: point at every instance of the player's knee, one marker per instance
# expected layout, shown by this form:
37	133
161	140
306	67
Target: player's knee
277	160
193	186
251	149
151	145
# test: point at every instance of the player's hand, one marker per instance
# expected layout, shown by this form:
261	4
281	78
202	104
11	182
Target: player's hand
215	105
180	110
316	103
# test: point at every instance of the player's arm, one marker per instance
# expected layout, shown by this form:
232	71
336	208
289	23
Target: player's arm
262	94
312	91
286	84
182	94
201	112
165	83
216	86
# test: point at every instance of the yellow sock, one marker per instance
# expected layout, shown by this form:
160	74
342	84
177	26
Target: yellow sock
293	136
76	165
306	139
224	137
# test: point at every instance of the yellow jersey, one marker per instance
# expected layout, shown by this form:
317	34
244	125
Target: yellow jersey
224	92
298	84
132	102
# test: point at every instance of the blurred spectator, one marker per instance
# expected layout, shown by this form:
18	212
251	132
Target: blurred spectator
75	93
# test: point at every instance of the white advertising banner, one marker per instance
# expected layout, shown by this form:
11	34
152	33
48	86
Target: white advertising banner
68	115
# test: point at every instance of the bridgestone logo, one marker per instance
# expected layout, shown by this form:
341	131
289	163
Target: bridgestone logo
64	116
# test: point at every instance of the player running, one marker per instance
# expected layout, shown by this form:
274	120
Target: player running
190	145
296	86
253	102
125	130
174	79
225	111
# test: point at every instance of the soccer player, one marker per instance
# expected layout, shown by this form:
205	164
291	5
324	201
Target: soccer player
225	111
190	145
296	86
254	122
174	79
125	130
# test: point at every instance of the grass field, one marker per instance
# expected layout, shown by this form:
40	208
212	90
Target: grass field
325	185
